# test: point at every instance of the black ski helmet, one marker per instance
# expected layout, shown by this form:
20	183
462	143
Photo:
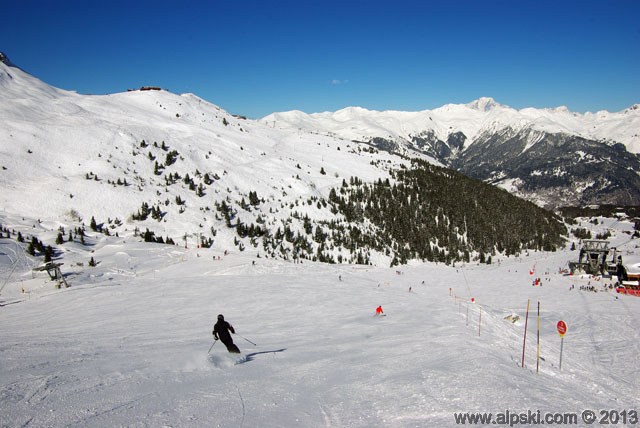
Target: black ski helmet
220	317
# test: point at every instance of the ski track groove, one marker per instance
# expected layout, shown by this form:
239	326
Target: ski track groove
243	408
82	422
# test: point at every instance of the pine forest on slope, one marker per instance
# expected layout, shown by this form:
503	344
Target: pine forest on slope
436	214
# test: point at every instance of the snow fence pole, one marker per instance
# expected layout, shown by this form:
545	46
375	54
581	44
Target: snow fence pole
526	320
214	342
538	358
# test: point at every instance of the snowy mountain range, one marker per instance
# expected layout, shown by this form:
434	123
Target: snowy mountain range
551	156
129	343
472	119
175	168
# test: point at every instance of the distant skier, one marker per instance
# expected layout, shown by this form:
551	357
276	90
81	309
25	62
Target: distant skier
379	311
221	332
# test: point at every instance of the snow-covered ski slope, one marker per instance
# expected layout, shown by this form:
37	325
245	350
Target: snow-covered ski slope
126	344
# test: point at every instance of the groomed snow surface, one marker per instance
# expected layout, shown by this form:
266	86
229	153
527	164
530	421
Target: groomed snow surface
126	344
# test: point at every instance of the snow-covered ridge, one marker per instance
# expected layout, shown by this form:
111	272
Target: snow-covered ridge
5	60
66	155
472	119
18	84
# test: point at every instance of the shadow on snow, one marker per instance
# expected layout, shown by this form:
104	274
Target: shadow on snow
251	356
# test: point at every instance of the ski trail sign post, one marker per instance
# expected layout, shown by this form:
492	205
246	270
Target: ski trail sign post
562	329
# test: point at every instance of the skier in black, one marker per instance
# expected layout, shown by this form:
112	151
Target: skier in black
221	332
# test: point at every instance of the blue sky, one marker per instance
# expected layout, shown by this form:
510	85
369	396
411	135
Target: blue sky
256	57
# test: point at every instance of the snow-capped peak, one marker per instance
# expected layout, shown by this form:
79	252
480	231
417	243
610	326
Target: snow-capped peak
6	61
484	104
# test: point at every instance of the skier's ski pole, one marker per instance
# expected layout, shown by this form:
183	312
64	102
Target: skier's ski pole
214	342
247	340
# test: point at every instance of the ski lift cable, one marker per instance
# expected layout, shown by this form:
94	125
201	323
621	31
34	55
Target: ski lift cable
466	282
625	243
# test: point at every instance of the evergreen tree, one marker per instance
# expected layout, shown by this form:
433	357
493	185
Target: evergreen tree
48	254
253	198
149	236
31	249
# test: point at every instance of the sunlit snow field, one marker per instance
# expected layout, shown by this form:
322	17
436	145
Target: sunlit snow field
126	344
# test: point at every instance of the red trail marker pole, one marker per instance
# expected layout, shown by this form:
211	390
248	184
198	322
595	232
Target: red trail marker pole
562	330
